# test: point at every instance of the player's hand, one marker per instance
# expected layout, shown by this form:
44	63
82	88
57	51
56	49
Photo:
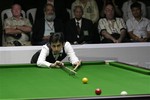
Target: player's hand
57	64
76	65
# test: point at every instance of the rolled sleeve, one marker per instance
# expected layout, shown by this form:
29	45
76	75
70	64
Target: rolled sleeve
70	53
101	25
42	57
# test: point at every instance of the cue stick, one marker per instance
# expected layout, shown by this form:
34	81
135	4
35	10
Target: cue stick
76	67
70	70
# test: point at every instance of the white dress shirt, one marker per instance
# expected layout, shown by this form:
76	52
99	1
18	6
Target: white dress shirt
45	52
79	21
139	28
49	28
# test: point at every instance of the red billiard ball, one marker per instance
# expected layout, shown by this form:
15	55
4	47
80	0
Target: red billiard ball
98	91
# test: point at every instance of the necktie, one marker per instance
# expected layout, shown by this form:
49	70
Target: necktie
78	27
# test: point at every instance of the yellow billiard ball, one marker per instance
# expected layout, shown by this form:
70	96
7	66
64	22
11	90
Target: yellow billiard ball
84	80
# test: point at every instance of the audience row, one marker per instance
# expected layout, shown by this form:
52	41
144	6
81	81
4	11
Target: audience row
85	26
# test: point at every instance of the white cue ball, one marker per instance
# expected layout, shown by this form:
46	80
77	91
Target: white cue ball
123	93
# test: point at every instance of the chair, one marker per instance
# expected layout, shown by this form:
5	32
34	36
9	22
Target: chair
6	14
31	14
148	12
69	11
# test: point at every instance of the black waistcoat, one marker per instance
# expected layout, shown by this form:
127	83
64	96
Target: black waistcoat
50	58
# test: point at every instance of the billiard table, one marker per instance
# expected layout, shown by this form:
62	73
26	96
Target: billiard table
27	81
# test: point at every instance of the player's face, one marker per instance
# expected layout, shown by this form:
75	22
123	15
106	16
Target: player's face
16	10
56	47
136	12
109	12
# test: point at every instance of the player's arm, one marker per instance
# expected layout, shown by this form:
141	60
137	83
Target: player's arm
41	62
71	54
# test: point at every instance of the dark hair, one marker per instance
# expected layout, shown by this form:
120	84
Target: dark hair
56	37
135	5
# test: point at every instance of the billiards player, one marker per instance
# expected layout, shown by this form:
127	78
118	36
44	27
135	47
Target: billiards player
54	52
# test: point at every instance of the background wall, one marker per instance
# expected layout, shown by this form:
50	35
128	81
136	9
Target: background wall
135	53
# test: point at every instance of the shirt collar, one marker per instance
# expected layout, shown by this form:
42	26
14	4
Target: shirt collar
78	21
139	20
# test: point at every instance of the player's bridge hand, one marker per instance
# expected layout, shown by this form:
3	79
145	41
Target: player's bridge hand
57	64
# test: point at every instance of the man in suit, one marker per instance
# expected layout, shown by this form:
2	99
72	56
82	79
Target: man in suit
79	30
60	9
46	25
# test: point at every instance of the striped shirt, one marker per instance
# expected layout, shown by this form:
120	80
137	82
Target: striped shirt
111	26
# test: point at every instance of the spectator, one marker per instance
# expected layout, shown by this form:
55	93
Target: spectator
17	29
117	10
78	29
138	27
111	28
127	11
46	25
90	9
60	9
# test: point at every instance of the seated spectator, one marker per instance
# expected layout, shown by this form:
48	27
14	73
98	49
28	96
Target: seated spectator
60	9
127	11
46	25
138	27
90	9
17	29
78	29
117	10
112	29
